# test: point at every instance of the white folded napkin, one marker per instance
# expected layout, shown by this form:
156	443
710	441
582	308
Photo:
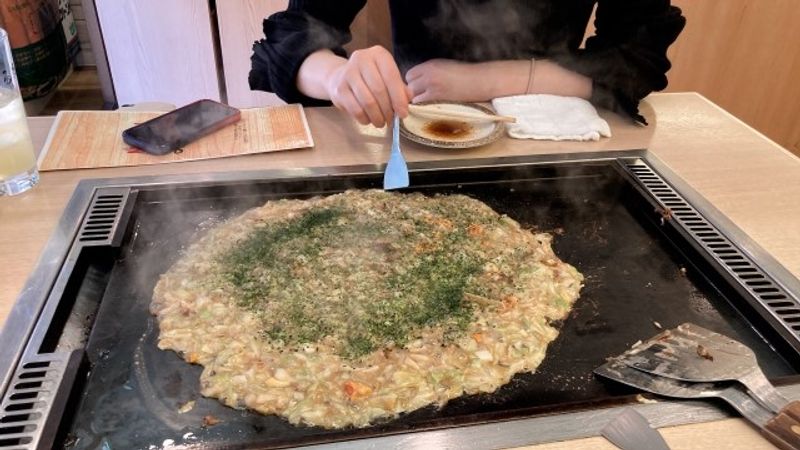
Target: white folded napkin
552	117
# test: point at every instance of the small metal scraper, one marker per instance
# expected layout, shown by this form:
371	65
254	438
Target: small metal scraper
631	431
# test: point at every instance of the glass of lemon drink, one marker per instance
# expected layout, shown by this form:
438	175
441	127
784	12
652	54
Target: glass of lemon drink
18	171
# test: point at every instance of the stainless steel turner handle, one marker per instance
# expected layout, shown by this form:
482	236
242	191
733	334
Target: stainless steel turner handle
746	405
763	391
782	429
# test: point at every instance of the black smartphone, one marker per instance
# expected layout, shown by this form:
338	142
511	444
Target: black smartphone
175	129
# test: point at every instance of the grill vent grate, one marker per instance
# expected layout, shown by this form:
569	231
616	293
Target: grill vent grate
26	403
104	216
748	275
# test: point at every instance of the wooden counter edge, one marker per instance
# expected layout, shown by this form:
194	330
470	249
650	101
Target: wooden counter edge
729	433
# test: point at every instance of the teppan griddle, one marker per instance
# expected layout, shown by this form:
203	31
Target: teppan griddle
80	368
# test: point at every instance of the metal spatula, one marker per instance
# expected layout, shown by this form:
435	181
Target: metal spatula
693	353
396	174
781	430
631	431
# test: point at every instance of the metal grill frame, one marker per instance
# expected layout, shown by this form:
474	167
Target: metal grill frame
98	207
781	305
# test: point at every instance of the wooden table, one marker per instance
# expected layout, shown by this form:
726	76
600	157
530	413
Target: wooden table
751	180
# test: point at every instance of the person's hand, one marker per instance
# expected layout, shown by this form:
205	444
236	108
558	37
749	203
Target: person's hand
369	87
445	79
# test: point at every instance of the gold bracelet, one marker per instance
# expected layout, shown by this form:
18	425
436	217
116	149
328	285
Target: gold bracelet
530	76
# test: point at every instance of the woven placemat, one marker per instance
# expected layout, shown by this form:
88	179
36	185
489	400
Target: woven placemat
92	139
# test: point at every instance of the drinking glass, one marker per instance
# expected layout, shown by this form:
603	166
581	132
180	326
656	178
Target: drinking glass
18	171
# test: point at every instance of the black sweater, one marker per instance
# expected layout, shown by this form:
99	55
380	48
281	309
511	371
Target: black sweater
626	58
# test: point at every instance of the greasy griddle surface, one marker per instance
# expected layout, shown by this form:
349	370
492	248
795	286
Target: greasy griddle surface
601	225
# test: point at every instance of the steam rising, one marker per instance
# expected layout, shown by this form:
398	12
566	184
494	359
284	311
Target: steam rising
503	29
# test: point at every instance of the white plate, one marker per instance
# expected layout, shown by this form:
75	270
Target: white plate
452	133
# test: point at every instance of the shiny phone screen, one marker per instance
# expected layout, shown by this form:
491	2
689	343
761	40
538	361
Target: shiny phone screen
175	129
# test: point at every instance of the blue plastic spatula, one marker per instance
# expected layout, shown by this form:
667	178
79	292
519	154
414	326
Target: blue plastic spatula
396	174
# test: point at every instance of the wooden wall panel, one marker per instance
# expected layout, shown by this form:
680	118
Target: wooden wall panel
159	51
239	27
372	26
86	55
98	47
744	56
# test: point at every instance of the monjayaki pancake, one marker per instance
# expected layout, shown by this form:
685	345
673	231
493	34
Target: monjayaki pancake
337	311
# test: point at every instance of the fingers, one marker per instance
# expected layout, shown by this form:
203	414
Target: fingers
342	96
424	97
374	81
369	104
415	72
344	99
441	79
370	88
420	90
393	81
419	82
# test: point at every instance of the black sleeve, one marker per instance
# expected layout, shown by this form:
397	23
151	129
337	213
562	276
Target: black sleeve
292	35
627	56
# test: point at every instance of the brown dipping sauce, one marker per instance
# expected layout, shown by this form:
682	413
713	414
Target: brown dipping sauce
448	129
